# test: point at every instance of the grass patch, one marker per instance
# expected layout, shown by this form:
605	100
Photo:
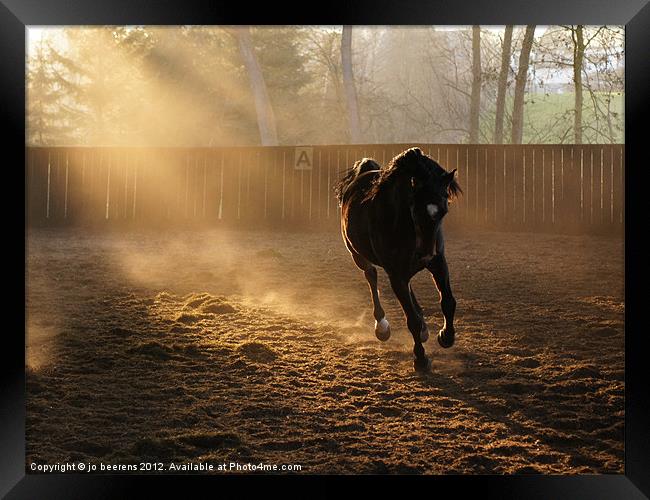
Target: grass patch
548	119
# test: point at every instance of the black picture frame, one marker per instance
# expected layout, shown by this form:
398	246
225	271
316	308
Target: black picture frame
15	15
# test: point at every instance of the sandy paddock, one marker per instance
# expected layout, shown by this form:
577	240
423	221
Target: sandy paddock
253	346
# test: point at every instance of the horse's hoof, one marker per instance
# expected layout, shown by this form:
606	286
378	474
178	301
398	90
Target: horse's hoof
424	333
445	340
382	330
422	365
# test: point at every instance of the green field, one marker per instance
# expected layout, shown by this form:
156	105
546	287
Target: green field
548	119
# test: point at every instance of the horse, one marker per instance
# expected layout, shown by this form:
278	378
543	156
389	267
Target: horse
391	218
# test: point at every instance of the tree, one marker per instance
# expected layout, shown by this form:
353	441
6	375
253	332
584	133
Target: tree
475	100
282	56
447	91
46	122
596	63
349	86
578	57
97	83
265	115
502	85
520	86
190	85
604	82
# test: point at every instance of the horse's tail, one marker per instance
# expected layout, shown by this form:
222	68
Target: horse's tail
360	166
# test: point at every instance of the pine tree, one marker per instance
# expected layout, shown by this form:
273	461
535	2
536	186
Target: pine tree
50	120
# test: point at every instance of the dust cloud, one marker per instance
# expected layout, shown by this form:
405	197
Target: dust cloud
258	269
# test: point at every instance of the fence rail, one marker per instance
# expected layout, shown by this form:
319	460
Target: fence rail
575	188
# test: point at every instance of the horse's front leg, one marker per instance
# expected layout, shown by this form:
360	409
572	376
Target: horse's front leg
440	272
414	319
424	334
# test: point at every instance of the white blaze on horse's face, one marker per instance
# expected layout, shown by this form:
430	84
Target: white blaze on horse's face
432	209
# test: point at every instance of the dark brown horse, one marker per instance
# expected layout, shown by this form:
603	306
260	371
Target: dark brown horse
392	218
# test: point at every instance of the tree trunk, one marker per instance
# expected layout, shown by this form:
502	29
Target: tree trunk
475	104
520	86
578	57
502	85
475	100
263	108
348	84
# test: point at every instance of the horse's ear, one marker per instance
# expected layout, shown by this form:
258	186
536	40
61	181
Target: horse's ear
450	176
453	188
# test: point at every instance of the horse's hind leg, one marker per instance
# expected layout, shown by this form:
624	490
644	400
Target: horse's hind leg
382	328
414	320
440	272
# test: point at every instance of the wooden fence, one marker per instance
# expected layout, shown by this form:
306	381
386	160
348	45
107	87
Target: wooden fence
560	188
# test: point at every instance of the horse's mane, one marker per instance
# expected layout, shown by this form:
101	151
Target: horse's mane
359	167
408	163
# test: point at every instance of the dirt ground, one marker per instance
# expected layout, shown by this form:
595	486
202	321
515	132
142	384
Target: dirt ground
252	346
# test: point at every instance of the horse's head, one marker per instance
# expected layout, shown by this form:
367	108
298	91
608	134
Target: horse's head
421	181
432	187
